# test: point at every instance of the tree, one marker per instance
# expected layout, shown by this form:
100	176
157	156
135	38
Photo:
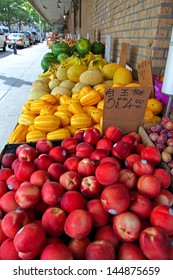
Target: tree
17	12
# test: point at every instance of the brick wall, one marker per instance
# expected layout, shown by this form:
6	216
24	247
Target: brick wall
145	24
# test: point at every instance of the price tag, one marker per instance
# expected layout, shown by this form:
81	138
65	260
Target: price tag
145	75
124	54
125	107
108	48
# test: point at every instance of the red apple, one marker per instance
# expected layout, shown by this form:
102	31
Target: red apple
127	226
13	183
128	178
58	154
84	149
106	233
15	164
53	220
71	163
55	170
121	150
34	233
43	146
70	180
143	167
113	133
27	195
164	176
27	154
129	139
136	136
13	221
100	216
130	251
24	170
39	177
140	204
112	160
100	250
151	154
90	187
8	251
79	135
149	185
2	235
51	193
3	188
165	197
78	247
86	167
20	147
162	216
107	173
7	202
56	251
7	159
139	147
5	173
98	154
72	200
69	144
115	198
43	161
131	159
155	244
91	135
74	227
105	144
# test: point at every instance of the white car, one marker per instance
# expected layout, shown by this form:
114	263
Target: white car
2	40
19	38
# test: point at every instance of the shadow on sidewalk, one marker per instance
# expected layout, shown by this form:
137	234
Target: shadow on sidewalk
15	82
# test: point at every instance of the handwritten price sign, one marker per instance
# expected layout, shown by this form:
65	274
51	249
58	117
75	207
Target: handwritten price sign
125	107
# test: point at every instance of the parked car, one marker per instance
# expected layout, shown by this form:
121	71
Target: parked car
19	38
2	40
29	35
36	38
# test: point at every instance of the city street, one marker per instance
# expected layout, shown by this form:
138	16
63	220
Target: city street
17	72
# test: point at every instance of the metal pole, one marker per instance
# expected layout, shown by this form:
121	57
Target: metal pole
168	109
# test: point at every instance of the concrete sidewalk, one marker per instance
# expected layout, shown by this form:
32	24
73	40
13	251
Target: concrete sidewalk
17	72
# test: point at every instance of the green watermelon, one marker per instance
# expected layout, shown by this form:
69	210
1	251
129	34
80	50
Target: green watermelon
83	46
47	59
60	47
62	56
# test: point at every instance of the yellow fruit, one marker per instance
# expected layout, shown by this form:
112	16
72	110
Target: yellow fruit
96	115
74	72
18	134
148	116
154	105
46	123
92	97
133	85
80	120
26	118
156	119
109	69
50	98
35	135
54	83
64	117
58	134
100	105
123	76
117	85
101	89
48	110
36	106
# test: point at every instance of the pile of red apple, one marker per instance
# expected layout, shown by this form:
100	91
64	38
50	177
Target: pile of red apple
92	197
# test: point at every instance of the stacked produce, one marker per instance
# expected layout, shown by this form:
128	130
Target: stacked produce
70	96
162	137
90	197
